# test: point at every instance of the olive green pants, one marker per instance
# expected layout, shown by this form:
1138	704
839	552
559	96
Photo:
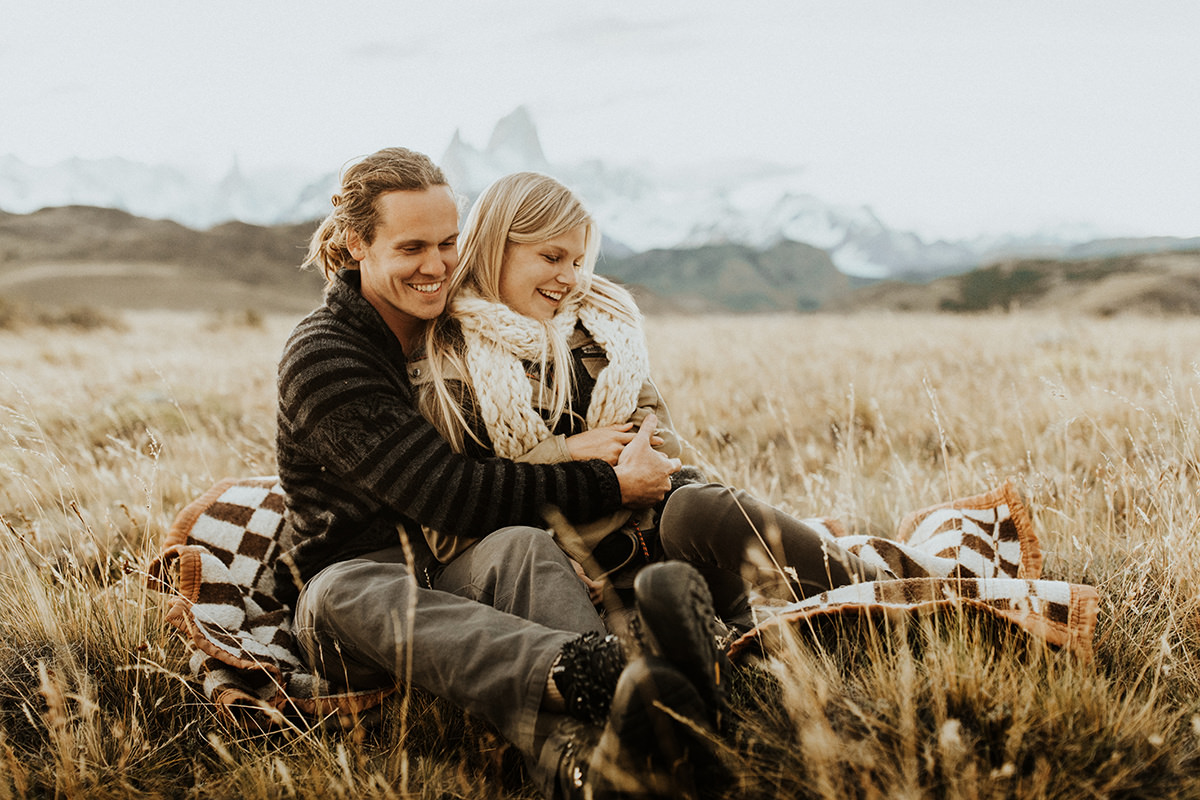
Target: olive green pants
740	543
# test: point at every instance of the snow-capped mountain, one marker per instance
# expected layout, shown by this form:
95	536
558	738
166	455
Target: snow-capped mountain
645	207
638	207
265	197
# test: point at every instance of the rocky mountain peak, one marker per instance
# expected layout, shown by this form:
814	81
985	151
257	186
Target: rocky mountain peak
515	138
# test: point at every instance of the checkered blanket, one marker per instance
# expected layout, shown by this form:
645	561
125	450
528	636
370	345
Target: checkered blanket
979	553
216	565
976	554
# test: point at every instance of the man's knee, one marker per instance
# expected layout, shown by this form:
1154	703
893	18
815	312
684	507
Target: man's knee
521	541
331	621
321	596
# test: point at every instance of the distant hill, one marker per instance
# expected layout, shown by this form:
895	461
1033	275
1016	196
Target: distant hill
1125	247
786	277
1150	283
86	256
100	256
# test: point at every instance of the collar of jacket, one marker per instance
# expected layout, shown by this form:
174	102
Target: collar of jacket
344	299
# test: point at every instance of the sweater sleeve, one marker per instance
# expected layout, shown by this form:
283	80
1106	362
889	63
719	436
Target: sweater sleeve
357	421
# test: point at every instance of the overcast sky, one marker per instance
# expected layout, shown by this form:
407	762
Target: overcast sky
946	116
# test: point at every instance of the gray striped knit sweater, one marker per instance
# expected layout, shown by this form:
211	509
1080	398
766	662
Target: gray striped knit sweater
356	458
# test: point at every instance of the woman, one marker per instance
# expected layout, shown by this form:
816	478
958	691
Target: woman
539	359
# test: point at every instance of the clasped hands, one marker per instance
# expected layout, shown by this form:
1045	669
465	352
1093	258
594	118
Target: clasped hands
643	472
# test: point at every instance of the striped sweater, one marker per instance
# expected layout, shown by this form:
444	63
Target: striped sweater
357	459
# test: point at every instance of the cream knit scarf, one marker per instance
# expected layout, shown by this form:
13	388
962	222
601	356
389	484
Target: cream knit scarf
499	339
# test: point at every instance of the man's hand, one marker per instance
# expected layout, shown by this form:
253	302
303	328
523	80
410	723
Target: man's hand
643	472
605	443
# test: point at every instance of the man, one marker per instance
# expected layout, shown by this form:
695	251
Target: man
505	630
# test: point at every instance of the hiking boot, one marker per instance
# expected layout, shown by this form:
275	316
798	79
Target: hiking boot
586	672
677	623
656	739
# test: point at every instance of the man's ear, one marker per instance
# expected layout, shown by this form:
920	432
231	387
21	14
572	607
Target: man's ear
354	244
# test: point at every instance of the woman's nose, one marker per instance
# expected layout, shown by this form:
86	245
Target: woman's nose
567	276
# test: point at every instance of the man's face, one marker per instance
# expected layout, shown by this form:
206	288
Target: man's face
406	266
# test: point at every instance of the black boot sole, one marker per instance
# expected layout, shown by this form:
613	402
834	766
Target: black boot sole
678	624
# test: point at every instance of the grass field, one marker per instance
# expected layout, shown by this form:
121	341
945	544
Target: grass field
106	431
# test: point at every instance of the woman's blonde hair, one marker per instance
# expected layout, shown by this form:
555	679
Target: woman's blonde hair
521	208
354	208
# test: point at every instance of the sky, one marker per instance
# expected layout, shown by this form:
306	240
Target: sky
947	117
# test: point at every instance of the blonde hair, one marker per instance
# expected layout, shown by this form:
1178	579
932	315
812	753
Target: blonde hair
521	208
354	208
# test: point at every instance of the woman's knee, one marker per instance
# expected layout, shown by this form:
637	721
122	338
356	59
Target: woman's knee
692	514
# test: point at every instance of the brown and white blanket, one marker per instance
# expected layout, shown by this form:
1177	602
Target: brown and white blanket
217	568
979	553
216	565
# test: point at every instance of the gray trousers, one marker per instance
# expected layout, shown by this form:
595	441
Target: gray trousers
483	637
739	542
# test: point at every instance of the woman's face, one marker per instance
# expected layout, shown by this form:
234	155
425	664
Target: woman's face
536	277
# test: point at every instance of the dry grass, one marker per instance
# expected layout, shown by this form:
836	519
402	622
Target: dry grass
105	433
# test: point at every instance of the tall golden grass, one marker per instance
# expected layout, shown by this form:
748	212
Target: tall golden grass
106	433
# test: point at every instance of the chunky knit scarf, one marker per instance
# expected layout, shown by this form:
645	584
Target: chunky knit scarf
499	339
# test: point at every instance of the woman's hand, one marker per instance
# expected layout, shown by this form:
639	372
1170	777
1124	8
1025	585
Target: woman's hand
604	443
595	588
